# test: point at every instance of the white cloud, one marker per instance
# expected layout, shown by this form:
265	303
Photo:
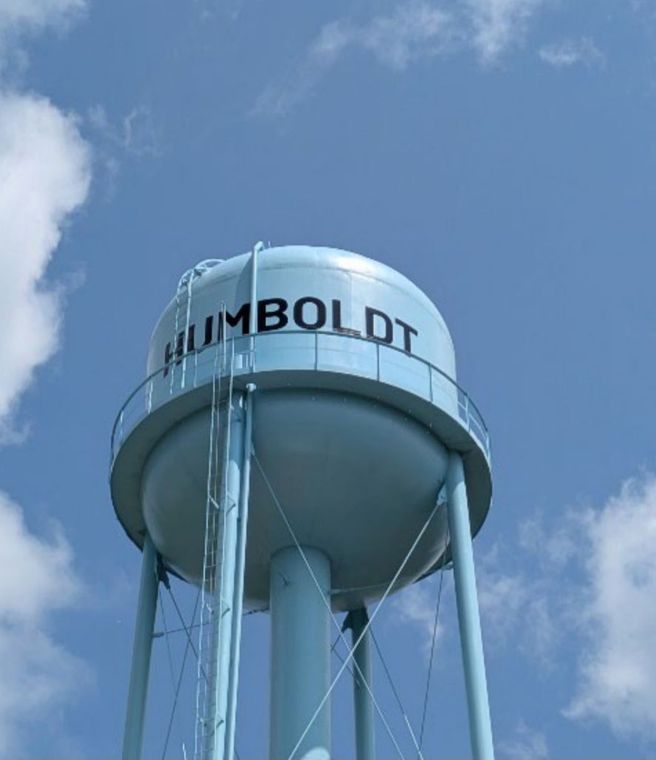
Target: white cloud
37	674
36	13
413	30
587	586
553	548
282	95
618	613
332	39
501	598
572	52
44	177
525	744
498	25
44	569
517	601
416	604
21	17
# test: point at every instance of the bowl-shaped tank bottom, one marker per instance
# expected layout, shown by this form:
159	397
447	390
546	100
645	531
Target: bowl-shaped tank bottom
356	479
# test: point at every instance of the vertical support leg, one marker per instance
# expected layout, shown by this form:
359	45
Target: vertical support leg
225	583
480	726
365	747
238	602
300	655
143	642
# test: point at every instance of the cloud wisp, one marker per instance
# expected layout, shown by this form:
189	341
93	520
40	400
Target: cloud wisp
498	25
18	17
135	133
524	744
414	30
415	605
24	18
568	53
513	599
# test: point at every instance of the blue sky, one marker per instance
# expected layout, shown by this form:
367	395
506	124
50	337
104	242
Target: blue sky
500	153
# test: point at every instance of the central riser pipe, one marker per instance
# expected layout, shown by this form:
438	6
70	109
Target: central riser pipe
300	654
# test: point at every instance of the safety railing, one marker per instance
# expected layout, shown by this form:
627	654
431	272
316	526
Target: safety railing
300	349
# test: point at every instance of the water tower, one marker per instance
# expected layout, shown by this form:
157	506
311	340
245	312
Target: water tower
301	445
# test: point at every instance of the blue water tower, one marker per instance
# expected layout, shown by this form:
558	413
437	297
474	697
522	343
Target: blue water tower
300	445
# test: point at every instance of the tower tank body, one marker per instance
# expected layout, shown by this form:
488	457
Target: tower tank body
356	410
301	445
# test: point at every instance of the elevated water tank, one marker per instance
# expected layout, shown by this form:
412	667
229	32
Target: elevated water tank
357	406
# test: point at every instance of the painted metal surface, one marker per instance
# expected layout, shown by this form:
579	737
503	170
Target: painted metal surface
300	654
141	651
302	291
365	737
345	283
357	423
226	585
315	352
480	724
238	595
333	405
318	450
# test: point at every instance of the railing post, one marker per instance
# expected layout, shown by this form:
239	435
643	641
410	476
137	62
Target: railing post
252	322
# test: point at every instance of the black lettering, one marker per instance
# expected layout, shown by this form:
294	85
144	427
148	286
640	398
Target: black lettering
168	355
179	347
408	332
369	316
337	319
299	317
209	325
309	313
264	314
243	316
